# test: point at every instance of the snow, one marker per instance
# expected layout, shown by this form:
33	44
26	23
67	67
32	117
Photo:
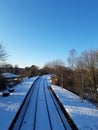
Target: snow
10	105
84	114
9	75
42	122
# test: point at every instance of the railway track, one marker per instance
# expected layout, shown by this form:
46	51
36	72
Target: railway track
40	110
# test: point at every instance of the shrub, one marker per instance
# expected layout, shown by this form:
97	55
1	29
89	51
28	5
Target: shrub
3	83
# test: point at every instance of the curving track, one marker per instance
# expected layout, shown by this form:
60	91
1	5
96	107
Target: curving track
40	110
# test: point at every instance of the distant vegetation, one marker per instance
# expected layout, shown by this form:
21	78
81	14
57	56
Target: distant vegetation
3	56
80	76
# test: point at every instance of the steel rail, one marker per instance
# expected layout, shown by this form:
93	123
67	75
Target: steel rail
36	110
59	111
47	108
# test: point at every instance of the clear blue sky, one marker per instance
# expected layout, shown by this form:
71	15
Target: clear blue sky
38	31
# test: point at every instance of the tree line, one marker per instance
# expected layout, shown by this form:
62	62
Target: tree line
79	74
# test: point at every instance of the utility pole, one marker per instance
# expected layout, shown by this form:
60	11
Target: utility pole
82	87
62	78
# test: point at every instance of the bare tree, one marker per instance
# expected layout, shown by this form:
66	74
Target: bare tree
3	54
72	59
88	61
56	67
55	63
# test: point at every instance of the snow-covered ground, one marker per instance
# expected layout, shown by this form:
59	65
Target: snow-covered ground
10	105
84	114
9	75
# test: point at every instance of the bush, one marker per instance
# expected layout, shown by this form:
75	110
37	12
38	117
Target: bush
3	83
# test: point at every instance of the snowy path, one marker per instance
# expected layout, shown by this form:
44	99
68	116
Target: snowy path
10	105
42	113
84	114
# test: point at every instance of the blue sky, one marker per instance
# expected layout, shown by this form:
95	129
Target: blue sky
39	31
